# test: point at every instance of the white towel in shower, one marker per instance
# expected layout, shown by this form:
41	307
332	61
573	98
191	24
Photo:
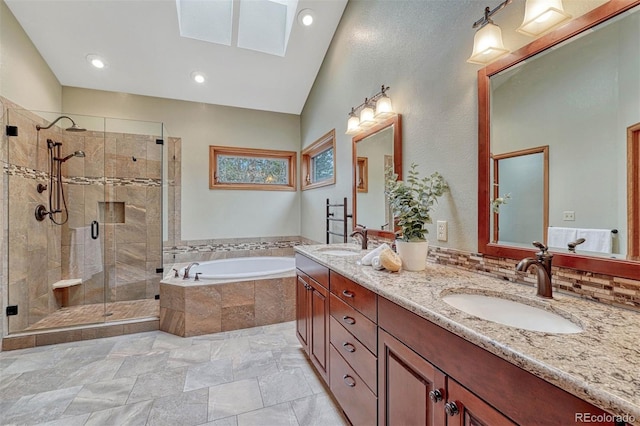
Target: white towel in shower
85	255
597	240
559	237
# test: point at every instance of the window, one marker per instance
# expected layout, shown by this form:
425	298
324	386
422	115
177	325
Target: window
247	168
319	163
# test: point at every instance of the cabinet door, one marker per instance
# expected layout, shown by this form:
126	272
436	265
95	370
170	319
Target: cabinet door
463	408
412	391
302	312
319	330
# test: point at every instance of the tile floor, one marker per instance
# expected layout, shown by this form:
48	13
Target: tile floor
256	376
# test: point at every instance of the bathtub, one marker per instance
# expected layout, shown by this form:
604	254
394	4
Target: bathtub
242	267
231	294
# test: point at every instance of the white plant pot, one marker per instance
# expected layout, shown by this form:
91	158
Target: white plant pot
413	254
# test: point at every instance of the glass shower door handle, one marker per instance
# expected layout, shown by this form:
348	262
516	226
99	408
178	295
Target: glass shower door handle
95	229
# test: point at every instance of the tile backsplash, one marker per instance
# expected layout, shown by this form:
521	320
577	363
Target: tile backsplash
621	292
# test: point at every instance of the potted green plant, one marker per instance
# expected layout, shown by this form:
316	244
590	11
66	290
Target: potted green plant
412	201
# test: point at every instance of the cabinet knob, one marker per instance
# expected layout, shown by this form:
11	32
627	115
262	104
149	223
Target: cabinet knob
451	408
349	381
348	320
349	347
435	395
347	293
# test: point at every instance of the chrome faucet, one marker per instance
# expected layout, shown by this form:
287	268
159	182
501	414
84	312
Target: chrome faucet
542	263
362	231
186	270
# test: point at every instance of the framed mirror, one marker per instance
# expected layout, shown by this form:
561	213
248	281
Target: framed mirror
373	150
575	90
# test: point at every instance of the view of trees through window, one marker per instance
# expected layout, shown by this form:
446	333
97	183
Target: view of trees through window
323	165
237	169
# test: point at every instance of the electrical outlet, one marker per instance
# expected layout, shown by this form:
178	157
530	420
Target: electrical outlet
569	215
442	230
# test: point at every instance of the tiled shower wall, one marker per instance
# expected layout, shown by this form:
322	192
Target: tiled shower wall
118	167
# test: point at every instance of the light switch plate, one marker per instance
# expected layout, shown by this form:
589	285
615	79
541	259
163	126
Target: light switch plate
569	215
442	232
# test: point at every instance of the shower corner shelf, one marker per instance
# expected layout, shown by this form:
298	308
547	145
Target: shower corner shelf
66	283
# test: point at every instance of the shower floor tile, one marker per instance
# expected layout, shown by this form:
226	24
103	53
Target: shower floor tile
95	313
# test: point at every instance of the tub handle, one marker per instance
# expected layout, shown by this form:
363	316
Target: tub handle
176	273
197	278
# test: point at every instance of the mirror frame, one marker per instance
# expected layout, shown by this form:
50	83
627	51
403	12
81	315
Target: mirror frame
396	122
615	267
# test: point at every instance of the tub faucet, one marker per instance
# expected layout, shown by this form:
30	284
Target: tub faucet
186	270
362	231
542	263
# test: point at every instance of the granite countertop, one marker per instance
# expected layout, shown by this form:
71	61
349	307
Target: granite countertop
600	365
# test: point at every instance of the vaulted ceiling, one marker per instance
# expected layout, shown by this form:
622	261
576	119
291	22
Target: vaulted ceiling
141	44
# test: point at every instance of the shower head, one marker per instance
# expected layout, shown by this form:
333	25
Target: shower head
75	154
74	127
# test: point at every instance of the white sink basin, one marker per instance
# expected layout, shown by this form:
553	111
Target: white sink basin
339	252
511	313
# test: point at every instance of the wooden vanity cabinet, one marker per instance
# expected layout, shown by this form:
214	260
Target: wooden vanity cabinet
312	312
353	349
485	389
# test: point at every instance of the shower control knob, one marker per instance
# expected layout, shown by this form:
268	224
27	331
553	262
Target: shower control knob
41	188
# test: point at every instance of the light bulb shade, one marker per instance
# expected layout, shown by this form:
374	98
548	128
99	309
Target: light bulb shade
487	45
542	16
353	125
383	107
366	117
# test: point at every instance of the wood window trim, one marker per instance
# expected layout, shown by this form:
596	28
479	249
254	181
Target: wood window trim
215	151
325	142
362	185
544	150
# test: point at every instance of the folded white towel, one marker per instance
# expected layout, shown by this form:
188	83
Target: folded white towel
366	260
559	237
377	264
598	240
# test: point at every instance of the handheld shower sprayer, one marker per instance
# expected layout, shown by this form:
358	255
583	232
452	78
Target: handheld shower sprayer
57	200
79	154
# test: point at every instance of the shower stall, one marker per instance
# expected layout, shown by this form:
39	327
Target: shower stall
85	221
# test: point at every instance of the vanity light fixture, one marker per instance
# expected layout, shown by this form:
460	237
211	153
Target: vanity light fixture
353	124
541	16
487	43
369	113
96	61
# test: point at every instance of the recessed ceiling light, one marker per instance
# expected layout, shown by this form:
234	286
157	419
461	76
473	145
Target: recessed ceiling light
198	77
305	17
96	61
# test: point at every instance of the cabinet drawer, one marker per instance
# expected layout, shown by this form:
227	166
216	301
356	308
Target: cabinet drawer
364	300
356	399
313	269
353	321
354	352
